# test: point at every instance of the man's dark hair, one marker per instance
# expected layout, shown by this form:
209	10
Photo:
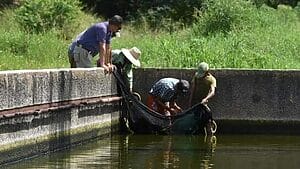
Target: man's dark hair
183	86
116	20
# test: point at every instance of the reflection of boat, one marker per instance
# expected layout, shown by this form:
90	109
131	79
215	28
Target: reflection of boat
168	151
141	119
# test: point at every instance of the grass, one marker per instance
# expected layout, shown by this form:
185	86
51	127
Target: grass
269	39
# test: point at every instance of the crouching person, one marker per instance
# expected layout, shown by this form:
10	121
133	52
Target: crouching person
163	94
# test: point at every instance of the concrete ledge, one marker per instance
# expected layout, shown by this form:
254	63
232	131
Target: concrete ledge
31	87
47	110
28	135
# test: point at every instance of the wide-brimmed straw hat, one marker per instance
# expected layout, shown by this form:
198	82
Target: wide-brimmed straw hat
133	55
202	69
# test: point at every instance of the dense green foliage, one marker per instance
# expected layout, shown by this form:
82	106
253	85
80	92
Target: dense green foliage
168	15
42	15
224	33
228	33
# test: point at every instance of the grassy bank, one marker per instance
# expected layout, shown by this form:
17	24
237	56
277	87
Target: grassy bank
258	38
267	38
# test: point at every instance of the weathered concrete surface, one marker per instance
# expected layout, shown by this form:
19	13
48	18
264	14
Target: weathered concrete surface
31	87
263	95
30	134
246	100
30	130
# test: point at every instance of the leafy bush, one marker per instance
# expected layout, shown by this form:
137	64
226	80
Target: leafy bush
165	15
297	8
7	3
42	15
156	19
222	16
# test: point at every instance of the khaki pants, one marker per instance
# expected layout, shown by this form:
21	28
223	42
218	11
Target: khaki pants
82	58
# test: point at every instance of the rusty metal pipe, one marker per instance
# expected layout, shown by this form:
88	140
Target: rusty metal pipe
36	109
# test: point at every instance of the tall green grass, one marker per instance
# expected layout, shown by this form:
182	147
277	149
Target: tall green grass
22	50
262	38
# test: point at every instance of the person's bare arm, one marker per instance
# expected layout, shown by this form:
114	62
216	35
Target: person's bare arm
102	56
109	58
108	54
210	94
158	100
175	107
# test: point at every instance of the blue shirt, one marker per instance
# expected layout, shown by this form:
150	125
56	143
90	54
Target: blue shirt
165	89
95	34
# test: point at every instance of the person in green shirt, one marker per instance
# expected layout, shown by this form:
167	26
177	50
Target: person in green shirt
124	59
202	89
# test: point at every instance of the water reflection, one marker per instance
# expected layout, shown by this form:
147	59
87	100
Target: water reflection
179	151
170	151
94	154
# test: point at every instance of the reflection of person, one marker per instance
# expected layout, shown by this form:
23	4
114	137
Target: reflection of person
163	94
168	151
210	147
124	59
96	39
203	88
169	156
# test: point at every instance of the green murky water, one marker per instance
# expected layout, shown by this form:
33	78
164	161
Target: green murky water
186	152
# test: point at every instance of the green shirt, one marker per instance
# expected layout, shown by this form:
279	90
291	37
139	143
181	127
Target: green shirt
202	87
118	59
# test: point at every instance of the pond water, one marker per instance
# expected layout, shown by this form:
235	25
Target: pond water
180	151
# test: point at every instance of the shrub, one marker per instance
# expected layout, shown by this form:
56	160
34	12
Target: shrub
222	16
166	15
42	15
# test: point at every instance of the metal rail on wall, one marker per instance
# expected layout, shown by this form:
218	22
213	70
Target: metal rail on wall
36	109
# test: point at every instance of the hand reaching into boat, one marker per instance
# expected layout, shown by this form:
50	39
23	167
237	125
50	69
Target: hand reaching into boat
175	108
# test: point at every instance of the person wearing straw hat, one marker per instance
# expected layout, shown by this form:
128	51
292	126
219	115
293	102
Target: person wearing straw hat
203	87
124	59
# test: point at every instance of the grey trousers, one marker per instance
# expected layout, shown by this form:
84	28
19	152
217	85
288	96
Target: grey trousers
82	58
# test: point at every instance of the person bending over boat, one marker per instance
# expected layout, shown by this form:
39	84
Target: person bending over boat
163	94
202	89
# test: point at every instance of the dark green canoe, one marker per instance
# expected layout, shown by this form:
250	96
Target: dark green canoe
140	119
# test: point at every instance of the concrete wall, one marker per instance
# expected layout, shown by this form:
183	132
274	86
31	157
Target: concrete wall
31	87
241	95
46	110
